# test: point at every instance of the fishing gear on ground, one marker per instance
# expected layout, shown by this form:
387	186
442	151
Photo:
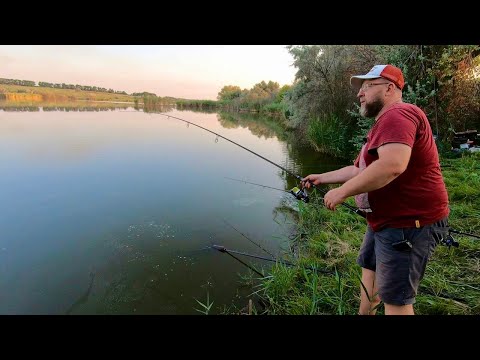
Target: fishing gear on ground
223	249
450	241
272	257
246	237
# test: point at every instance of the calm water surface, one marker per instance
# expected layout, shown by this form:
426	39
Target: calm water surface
115	211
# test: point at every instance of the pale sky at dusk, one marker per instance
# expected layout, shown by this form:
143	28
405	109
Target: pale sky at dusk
184	71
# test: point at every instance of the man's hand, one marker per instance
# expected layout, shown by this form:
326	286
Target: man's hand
308	180
334	197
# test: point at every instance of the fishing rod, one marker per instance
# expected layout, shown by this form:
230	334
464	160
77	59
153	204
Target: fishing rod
295	191
352	208
464	233
223	249
273	258
246	237
450	241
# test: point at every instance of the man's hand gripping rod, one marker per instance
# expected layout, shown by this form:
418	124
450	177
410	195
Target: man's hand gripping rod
352	208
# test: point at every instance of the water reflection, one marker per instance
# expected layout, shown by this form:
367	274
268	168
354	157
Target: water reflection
259	125
156	108
204	109
300	158
141	204
19	107
33	106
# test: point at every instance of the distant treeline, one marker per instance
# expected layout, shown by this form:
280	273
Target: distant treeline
263	97
63	86
443	80
321	105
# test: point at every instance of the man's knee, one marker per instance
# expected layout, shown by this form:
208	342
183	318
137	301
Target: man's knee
399	309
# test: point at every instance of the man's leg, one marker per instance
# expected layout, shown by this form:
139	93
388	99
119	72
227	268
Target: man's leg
366	259
368	303
399	309
400	268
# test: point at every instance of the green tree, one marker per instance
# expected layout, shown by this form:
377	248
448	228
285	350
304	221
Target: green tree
323	82
281	93
229	92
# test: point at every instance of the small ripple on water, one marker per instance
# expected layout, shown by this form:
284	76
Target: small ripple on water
162	231
245	202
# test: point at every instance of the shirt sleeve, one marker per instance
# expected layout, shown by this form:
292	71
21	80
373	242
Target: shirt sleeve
395	126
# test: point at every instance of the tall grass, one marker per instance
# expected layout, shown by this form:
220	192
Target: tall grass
196	104
331	240
329	135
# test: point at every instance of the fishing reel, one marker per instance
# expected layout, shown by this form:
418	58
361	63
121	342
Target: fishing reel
450	241
300	194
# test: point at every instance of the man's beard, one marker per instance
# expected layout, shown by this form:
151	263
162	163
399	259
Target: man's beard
372	109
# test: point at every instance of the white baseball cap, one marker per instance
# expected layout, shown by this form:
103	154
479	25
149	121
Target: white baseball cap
389	72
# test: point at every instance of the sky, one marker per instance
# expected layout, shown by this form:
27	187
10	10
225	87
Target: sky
182	71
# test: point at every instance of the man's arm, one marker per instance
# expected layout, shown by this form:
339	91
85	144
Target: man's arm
392	161
332	177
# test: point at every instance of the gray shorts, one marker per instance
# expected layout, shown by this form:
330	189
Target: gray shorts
399	267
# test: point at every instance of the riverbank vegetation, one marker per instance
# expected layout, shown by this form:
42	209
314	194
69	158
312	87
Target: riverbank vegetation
443	80
330	241
12	92
264	98
321	106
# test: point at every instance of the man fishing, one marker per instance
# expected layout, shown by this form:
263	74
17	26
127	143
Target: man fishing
397	182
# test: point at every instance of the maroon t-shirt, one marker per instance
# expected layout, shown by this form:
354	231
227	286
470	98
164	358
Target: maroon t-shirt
419	193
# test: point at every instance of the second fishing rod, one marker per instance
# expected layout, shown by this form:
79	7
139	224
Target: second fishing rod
300	194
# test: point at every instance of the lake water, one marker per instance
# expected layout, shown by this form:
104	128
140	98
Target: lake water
114	211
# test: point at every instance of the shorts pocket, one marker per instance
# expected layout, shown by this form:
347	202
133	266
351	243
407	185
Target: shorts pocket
390	236
439	233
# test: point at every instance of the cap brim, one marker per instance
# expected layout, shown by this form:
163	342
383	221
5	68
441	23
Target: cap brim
357	80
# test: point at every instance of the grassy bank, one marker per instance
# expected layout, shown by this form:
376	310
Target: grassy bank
331	240
34	93
265	108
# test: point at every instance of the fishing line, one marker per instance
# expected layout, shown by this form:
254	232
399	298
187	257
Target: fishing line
247	182
352	208
246	237
300	193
